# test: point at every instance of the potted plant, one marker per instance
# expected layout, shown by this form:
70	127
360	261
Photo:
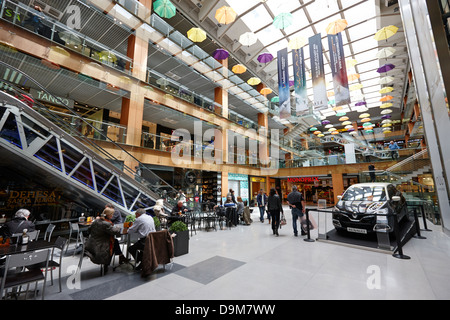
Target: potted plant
157	223
129	220
180	236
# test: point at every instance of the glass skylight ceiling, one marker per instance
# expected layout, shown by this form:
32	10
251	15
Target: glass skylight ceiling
312	17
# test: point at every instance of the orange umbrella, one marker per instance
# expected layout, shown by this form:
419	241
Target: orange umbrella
239	69
225	15
266	91
336	26
352	77
386	98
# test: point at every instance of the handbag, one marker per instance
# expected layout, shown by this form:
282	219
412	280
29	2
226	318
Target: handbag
282	220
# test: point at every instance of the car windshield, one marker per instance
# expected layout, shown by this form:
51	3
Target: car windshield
365	193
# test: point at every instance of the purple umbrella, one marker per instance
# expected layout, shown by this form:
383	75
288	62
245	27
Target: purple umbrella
291	83
220	54
385	68
325	122
362	103
265	57
386	116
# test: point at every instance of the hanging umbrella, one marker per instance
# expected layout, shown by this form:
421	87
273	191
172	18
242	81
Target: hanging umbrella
162	82
350	63
386	111
225	15
325	122
254	81
356	87
346	123
248	39
386	98
239	69
164	9
385	68
353	77
266	91
107	56
385	53
366	120
386	105
336	26
361	103
265	57
342	119
296	43
386	116
60	50
386	80
386	90
283	20
275	99
220	54
385	33
196	35
364	115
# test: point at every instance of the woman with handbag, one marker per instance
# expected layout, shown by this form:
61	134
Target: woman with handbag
275	208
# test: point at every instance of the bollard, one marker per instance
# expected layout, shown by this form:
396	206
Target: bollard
308	239
424	218
400	254
418	236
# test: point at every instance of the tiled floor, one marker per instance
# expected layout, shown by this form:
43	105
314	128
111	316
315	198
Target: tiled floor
248	262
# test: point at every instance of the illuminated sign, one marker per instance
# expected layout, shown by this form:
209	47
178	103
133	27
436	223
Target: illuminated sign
303	179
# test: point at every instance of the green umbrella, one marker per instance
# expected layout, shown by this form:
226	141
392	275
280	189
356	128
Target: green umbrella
283	20
164	8
275	99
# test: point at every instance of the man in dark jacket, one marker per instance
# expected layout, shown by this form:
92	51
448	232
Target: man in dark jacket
298	205
18	224
261	199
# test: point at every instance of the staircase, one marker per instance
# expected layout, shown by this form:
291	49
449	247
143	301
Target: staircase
41	145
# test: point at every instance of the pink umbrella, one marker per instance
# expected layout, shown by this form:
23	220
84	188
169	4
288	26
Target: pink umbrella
265	57
220	54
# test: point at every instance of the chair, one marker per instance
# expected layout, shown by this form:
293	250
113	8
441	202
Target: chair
33	235
73	228
49	231
14	262
52	264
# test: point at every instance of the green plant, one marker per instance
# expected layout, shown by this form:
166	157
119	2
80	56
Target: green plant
157	222
130	218
178	226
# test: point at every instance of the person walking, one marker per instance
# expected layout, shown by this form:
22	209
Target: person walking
393	146
372	172
298	206
261	199
275	208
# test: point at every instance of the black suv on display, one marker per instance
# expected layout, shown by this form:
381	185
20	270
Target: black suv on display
369	207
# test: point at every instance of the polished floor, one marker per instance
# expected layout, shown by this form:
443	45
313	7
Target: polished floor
249	263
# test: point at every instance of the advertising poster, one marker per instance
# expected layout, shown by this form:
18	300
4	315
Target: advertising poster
318	73
350	156
301	96
338	69
283	84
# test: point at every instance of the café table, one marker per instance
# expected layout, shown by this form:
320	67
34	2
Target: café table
31	246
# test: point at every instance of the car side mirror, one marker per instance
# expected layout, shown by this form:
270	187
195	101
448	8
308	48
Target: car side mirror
396	198
339	197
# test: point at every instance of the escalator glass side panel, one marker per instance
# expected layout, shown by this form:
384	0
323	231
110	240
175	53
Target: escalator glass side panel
49	153
143	202
129	193
83	174
2	111
102	176
10	132
71	156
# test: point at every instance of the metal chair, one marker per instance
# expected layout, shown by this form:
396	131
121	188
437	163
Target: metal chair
14	262
74	227
33	235
52	264
49	231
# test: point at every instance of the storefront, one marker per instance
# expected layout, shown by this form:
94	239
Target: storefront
256	184
312	187
239	183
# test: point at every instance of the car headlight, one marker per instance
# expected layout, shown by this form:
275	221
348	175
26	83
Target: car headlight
382	215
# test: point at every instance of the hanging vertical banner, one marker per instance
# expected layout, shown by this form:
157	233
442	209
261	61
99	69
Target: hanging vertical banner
349	149
283	84
318	73
338	69
301	96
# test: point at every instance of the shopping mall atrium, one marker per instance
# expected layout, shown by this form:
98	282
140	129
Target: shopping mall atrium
130	102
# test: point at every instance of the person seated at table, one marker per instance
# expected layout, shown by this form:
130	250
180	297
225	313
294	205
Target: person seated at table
117	217
18	224
240	208
180	207
102	242
229	205
142	226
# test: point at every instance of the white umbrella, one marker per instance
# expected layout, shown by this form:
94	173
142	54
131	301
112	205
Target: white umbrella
385	53
386	80
248	39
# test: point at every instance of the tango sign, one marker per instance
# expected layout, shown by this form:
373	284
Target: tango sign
303	179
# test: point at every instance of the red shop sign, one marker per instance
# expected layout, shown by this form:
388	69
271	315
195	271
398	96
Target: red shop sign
303	179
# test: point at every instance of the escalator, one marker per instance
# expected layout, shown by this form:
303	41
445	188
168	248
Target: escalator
41	146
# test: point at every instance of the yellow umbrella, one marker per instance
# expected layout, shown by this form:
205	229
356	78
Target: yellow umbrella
254	81
60	50
196	35
225	15
364	115
353	77
296	43
336	26
265	91
239	69
386	90
350	63
107	56
356	87
386	105
385	33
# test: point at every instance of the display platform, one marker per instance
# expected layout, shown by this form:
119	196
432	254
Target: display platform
386	243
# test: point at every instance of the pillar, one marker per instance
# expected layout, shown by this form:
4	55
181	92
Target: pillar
338	185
